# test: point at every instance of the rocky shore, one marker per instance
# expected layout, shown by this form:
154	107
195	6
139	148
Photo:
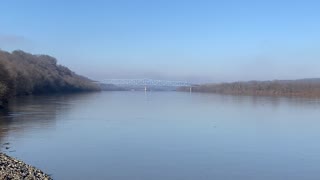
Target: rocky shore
14	169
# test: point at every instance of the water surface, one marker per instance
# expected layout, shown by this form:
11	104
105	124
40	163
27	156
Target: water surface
165	135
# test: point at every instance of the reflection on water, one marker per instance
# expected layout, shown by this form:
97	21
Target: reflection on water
32	113
164	135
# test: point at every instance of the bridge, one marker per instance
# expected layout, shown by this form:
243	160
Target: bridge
147	83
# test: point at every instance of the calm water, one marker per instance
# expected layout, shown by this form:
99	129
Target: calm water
165	135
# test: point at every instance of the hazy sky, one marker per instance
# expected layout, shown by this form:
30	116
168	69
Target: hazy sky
170	39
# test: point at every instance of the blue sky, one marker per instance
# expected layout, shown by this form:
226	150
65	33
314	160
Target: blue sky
226	40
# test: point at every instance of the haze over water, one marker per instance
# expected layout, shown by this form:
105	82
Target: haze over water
165	135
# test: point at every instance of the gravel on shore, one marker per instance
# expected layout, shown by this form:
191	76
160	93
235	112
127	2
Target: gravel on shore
11	168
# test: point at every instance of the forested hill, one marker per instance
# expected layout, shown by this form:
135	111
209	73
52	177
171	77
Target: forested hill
301	88
22	73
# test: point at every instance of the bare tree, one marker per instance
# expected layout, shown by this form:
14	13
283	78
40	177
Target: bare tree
22	73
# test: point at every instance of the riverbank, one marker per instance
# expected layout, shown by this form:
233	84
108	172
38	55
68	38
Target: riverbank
23	74
11	168
306	88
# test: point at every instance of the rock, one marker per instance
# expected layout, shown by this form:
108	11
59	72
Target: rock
11	168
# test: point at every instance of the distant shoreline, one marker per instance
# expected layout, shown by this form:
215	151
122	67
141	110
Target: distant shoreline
309	88
256	95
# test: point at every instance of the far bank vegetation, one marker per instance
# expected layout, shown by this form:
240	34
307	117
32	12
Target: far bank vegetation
22	73
300	88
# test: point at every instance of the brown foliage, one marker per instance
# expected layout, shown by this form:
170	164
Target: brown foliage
22	73
302	87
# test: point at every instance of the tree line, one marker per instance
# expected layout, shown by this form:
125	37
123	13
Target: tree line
302	88
23	73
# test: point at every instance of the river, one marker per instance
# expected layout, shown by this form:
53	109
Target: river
165	135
